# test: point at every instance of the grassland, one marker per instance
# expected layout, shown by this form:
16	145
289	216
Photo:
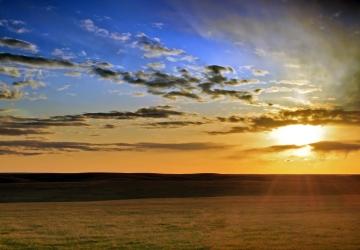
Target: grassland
245	222
307	219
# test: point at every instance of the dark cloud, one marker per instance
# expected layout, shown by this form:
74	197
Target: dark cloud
240	95
232	118
167	85
34	147
109	126
35	61
233	130
17	44
15	126
335	146
106	73
151	112
14	152
181	146
290	117
273	149
218	70
319	147
174	94
16	131
186	85
48	146
160	80
215	76
173	124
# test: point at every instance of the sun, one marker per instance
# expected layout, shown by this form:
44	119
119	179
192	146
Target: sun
298	134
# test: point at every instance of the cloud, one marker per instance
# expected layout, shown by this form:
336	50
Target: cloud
18	44
35	147
63	53
215	75
73	74
158	25
35	61
9	71
18	132
159	80
15	126
319	147
175	94
64	87
259	72
241	95
233	130
156	65
7	93
109	126
173	124
16	26
90	26
327	54
273	149
14	152
106	73
151	112
154	48
211	81
288	117
185	84
217	70
32	83
186	58
335	146
181	146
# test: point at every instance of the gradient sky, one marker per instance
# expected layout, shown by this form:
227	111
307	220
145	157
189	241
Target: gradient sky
180	86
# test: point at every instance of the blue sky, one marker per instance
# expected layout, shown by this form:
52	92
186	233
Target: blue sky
57	26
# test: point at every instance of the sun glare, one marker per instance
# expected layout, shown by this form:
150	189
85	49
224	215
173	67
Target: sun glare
298	134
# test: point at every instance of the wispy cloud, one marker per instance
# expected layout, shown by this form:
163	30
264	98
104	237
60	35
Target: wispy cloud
289	117
35	147
90	26
16	26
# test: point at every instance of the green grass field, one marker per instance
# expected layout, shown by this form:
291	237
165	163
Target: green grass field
234	222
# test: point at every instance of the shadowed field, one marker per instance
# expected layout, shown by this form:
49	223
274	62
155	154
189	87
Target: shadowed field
115	186
179	212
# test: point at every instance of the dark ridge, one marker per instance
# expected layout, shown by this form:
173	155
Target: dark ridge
34	187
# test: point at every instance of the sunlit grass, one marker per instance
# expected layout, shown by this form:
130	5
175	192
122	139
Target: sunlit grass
247	222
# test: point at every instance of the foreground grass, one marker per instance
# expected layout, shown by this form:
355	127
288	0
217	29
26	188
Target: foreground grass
243	222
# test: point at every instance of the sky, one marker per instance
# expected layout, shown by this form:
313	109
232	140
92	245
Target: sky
175	86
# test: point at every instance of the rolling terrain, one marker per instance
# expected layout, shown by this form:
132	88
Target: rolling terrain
115	186
198	211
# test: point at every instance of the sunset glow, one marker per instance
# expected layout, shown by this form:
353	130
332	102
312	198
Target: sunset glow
174	87
298	134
